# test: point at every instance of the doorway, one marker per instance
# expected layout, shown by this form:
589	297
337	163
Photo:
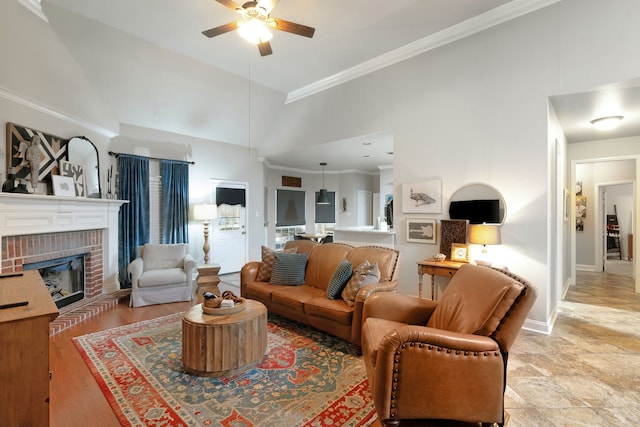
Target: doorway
616	203
230	230
603	182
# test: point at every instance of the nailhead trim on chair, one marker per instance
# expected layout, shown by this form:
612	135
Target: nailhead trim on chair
428	347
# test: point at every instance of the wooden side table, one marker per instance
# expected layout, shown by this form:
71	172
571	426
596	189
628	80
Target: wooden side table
207	280
213	345
435	268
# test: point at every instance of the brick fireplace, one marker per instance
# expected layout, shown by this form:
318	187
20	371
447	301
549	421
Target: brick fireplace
18	251
36	228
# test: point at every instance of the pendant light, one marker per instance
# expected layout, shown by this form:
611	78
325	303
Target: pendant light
323	196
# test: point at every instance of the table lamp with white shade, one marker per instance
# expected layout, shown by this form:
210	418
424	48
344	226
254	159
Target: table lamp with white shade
484	234
205	213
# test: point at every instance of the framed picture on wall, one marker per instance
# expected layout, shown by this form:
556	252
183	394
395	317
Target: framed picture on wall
452	231
422	197
421	230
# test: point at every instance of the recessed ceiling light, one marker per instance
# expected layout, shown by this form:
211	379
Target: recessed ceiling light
606	123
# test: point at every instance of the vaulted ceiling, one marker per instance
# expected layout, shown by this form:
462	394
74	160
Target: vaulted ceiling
351	39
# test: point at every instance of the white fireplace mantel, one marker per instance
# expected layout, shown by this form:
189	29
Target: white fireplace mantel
25	214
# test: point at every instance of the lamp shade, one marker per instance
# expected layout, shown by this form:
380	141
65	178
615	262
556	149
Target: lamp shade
484	234
205	212
323	197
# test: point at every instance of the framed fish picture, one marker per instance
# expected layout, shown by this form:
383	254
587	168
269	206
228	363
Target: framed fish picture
422	197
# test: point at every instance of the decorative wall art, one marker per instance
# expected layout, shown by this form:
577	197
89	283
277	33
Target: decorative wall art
459	252
63	186
581	212
28	149
421	230
452	231
422	197
76	172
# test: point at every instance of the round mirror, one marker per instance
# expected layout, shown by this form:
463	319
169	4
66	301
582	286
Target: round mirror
479	203
82	151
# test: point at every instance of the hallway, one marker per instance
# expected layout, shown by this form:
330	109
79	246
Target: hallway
587	372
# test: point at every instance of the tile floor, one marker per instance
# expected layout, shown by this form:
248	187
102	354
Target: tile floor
587	372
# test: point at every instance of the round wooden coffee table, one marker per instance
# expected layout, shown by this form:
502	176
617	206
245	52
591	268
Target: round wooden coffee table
214	345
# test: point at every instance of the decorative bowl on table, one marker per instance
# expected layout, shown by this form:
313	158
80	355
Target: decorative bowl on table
227	303
439	257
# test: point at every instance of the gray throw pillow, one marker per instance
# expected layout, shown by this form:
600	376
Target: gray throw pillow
339	279
288	269
264	272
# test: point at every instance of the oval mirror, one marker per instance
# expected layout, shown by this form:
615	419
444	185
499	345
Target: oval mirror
82	151
479	203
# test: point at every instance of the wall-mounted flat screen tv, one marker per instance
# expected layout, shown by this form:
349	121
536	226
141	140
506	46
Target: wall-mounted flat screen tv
476	211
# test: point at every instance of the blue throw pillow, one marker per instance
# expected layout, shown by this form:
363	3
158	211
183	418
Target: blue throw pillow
339	279
288	269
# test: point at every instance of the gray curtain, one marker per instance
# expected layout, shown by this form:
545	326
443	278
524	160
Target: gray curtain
134	216
175	201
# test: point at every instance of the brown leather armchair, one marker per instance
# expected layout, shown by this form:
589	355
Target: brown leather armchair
446	359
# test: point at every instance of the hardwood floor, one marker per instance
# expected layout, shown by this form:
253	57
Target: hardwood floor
76	399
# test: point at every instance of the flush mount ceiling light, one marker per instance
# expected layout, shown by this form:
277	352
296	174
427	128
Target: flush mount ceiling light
606	123
323	196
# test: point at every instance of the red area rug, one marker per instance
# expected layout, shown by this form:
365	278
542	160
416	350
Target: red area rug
306	378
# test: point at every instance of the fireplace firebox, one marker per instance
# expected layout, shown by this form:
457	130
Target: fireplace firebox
64	278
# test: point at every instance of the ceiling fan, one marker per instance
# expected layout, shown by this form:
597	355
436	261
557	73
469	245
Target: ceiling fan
256	23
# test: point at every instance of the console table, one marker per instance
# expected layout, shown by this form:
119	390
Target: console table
436	268
24	340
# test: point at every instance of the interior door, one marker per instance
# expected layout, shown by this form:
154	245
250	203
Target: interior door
229	241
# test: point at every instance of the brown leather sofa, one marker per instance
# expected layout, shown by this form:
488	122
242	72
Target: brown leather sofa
446	359
308	303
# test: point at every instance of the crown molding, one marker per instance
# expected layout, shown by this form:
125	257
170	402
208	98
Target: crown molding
316	172
456	32
37	106
35	7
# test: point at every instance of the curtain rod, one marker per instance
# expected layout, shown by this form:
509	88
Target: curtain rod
112	153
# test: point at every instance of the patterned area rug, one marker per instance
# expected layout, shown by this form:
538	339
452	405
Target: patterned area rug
306	378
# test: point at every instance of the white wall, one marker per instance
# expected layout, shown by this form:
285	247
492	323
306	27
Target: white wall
475	110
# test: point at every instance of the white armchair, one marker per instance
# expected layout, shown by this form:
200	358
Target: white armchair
161	274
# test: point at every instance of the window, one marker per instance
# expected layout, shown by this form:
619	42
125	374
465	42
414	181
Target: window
289	208
326	214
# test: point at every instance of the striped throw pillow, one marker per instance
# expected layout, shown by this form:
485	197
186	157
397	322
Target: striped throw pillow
288	269
339	279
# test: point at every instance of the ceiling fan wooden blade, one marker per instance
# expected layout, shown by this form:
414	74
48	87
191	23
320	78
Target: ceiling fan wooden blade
231	5
265	48
212	32
292	27
267	5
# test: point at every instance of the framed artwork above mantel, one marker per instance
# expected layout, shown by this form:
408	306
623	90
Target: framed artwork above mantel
52	149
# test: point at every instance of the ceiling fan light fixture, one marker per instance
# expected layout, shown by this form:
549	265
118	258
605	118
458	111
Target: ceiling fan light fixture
607	123
254	30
